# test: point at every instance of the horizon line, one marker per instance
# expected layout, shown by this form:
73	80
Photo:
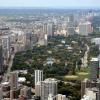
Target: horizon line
27	7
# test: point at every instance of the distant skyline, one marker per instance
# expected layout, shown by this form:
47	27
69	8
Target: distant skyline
51	3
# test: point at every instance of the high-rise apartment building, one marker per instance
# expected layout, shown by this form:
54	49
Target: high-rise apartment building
61	97
98	89
48	86
1	57
33	39
1	93
85	28
84	84
6	48
26	92
90	89
13	80
14	94
38	76
38	89
94	64
50	97
43	36
91	94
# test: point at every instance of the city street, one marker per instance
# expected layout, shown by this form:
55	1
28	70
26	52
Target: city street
6	75
85	58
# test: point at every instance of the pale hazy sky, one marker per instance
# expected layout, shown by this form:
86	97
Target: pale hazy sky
50	3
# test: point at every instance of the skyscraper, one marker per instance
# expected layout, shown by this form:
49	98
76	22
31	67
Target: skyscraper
38	76
45	39
94	64
50	30
45	28
71	18
45	32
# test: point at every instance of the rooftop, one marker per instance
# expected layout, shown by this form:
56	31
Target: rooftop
94	59
5	83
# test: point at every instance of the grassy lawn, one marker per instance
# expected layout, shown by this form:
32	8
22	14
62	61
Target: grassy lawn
82	75
71	77
79	76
